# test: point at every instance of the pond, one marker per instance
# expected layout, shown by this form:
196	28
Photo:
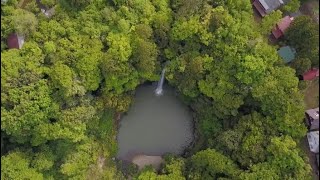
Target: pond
154	125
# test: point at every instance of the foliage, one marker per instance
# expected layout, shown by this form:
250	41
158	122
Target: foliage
270	21
49	3
32	7
16	165
285	162
210	164
248	141
303	25
286	157
301	65
303	85
292	6
145	56
173	169
308	46
24	22
29	110
76	70
77	163
184	29
120	46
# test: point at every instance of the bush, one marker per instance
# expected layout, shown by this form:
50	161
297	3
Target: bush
302	85
301	65
292	6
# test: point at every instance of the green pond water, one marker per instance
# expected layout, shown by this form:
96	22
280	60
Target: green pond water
154	125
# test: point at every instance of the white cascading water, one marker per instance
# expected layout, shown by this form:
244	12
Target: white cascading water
159	90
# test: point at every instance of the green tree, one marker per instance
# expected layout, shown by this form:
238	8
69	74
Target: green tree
29	108
303	85
162	22
173	169
77	163
301	65
79	3
184	8
144	58
32	7
261	171
186	71
89	71
184	29
143	31
120	48
7	27
24	22
269	22
285	162
210	164
69	124
76	70
49	31
281	100
287	158
303	26
308	46
22	67
63	78
49	3
16	165
292	6
248	140
210	126
43	160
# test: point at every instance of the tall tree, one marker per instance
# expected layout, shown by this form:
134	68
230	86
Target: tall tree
270	21
303	35
292	6
210	164
301	65
281	100
24	22
247	142
16	165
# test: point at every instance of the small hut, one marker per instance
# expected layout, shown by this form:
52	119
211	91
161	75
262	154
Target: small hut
15	41
311	74
281	27
312	118
287	53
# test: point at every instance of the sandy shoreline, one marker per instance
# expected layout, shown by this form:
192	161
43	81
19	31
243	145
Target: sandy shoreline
143	160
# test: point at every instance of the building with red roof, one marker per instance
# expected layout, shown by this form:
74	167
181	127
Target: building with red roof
15	41
281	27
311	74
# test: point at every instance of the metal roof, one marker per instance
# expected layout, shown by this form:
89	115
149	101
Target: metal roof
313	140
287	53
313	113
271	5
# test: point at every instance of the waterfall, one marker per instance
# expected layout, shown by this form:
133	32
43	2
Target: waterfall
159	90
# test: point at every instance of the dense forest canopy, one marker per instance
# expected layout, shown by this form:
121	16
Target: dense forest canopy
77	69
